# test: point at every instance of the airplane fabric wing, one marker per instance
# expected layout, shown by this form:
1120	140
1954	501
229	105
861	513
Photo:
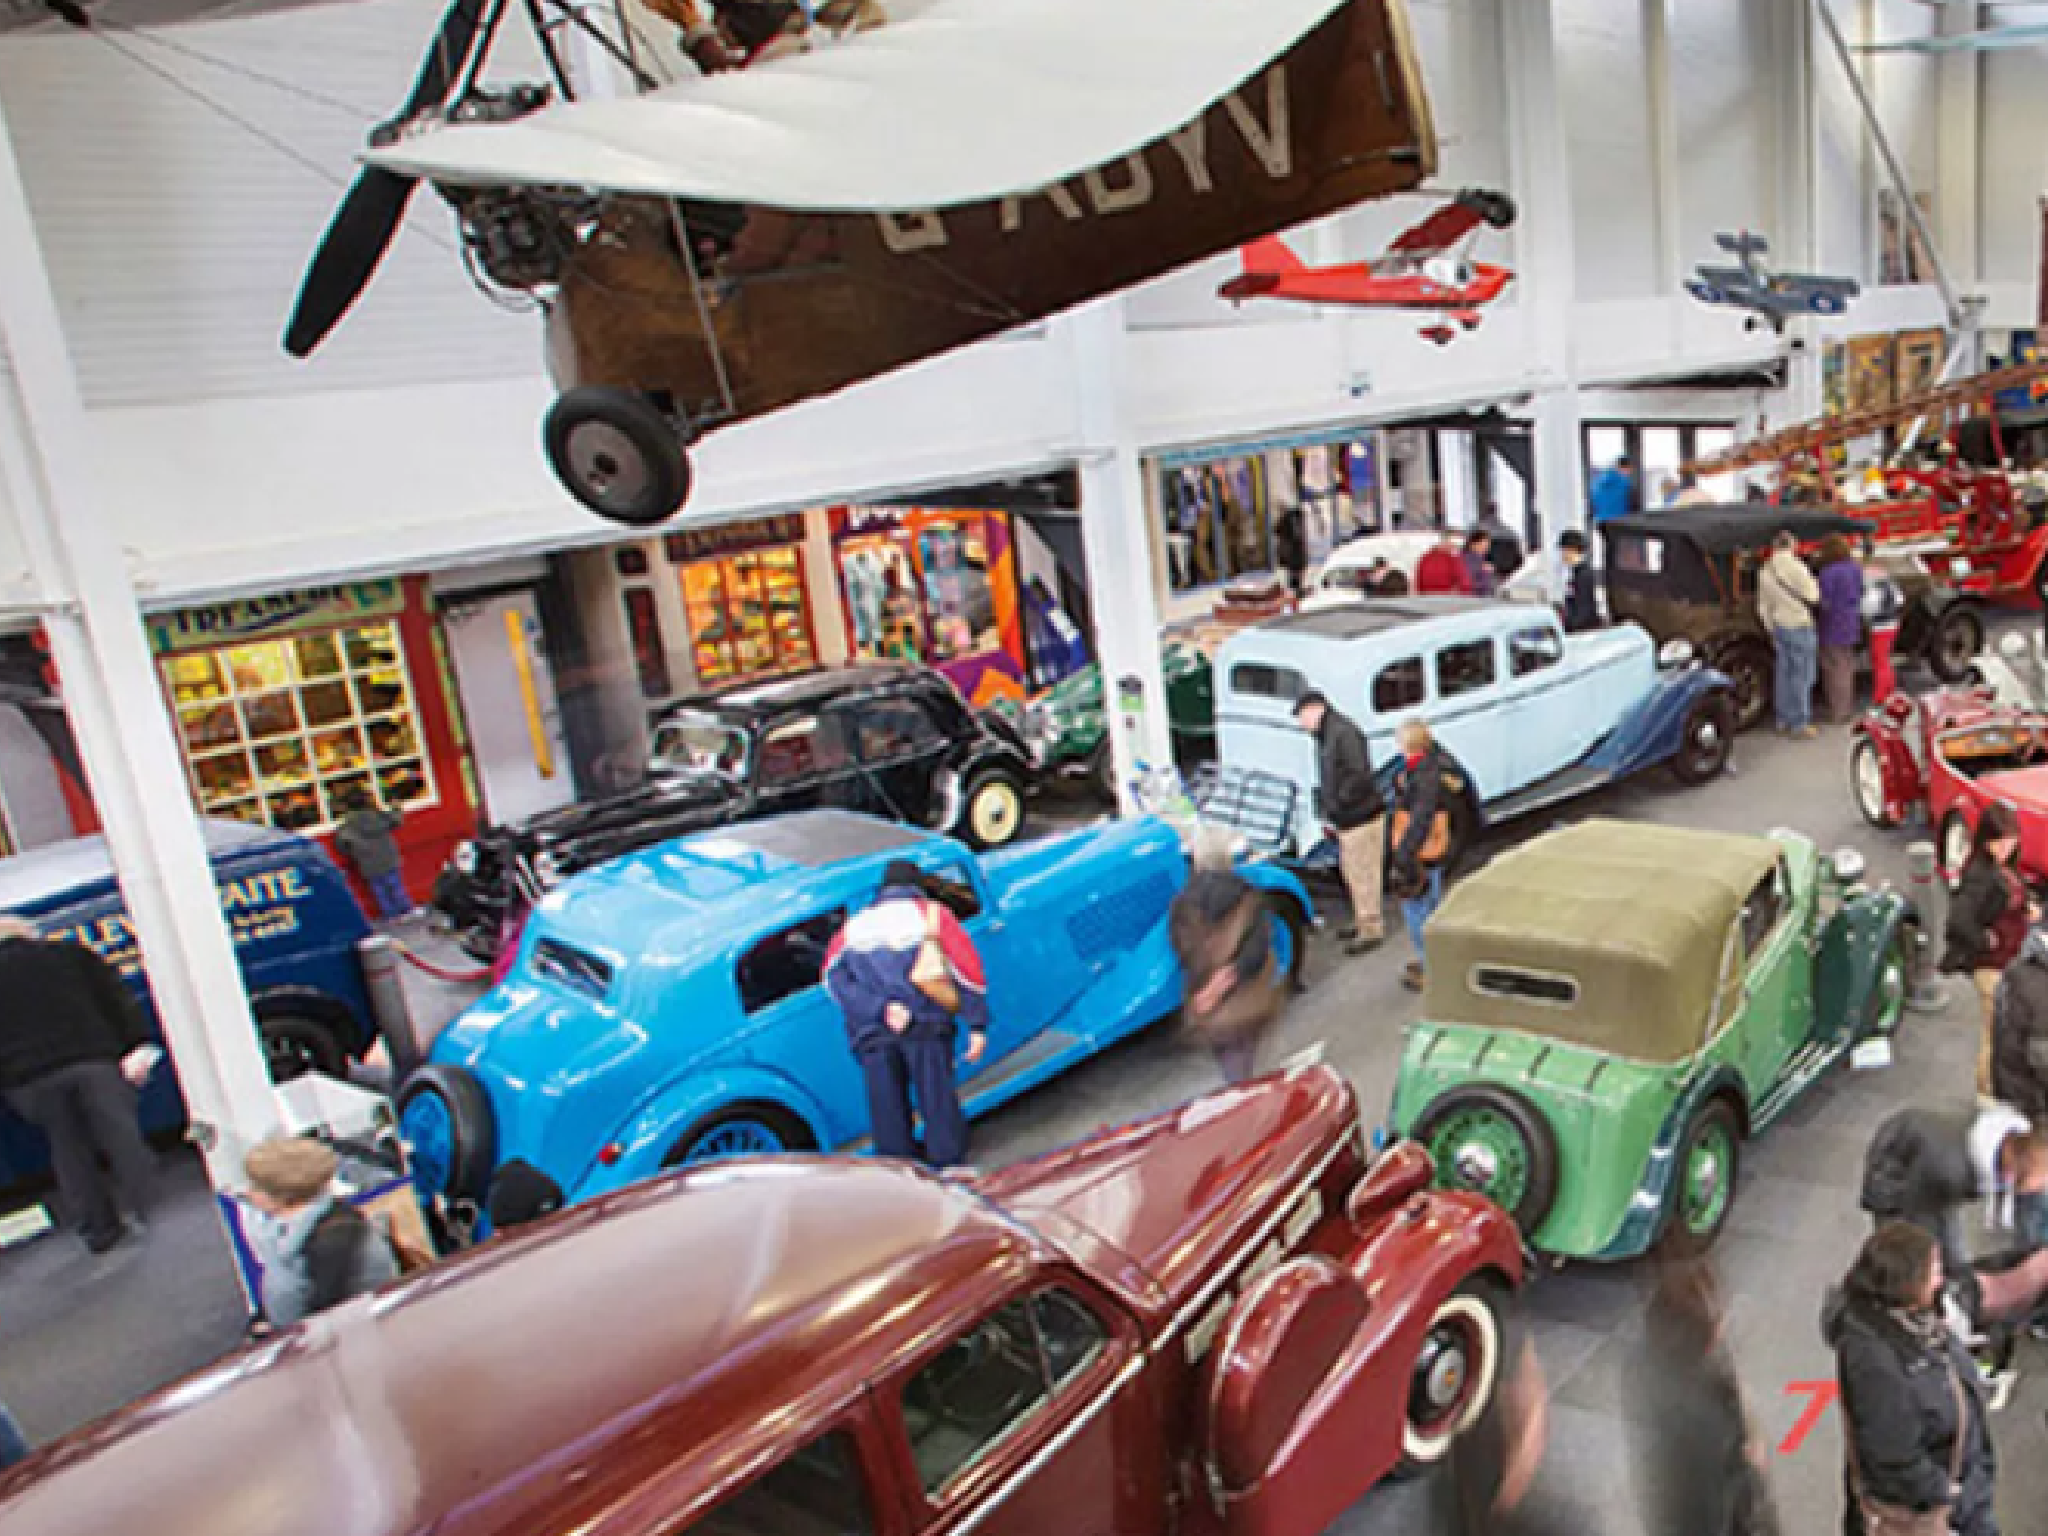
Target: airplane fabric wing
1440	231
954	102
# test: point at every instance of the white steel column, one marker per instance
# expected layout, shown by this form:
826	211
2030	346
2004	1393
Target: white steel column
1539	162
116	708
1798	198
1664	160
1122	592
1959	185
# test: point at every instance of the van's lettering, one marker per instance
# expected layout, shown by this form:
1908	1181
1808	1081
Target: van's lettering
258	907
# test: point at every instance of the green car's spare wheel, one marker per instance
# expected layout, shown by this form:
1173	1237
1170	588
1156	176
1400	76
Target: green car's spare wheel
1492	1141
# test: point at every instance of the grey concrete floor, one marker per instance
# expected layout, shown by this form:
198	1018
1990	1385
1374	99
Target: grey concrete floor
80	1336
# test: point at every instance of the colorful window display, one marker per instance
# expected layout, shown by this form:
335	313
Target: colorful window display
282	731
936	586
749	615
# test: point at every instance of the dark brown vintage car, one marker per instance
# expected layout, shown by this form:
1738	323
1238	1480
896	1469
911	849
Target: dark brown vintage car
1223	1319
1689	573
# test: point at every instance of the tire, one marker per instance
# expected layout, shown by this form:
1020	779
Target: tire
992	810
1953	643
1707	739
1866	783
1709	1163
445	1116
1455	1376
1289	935
745	1130
1492	1141
1953	849
615	452
1889	988
295	1044
1749	671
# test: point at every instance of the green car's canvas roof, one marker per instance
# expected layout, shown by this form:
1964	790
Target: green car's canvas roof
1609	934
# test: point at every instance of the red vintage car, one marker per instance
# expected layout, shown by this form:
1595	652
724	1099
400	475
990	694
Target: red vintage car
1227	1318
1954	751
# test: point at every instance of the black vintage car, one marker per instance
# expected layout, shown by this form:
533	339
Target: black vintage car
891	740
1689	573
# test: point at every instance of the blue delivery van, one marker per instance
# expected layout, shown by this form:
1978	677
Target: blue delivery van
295	924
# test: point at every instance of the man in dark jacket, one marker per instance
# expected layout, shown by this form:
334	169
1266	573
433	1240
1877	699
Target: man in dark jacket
2019	1031
1356	813
1924	1166
902	1030
1418	876
1223	941
73	1051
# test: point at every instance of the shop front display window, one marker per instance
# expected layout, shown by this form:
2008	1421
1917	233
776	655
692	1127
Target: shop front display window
882	607
748	615
957	594
282	732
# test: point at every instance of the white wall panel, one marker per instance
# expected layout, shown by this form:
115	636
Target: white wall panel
1605	93
1721	62
2013	160
175	236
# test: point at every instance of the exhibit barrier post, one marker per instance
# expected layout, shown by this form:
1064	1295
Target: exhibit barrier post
1930	901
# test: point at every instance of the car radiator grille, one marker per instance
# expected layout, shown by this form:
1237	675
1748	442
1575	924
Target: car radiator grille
1114	922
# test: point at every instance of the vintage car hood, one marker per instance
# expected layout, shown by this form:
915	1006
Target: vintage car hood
1184	1192
2023	786
674	802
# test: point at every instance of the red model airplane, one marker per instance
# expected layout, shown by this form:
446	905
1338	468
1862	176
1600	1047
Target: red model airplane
1429	267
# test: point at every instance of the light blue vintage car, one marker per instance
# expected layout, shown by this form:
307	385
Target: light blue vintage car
665	1008
1533	716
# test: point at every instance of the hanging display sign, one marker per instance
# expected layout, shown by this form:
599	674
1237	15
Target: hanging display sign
278	613
690	544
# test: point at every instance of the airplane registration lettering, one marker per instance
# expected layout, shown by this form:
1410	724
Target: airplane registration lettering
1269	139
1136	193
904	233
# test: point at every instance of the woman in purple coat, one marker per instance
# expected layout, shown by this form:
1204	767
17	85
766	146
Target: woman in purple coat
1840	623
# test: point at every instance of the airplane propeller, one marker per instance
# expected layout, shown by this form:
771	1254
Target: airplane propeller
369	217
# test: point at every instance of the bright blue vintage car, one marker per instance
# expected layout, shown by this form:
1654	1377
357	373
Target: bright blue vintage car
665	1008
1533	716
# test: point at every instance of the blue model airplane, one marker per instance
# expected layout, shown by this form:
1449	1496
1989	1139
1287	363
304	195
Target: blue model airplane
1772	298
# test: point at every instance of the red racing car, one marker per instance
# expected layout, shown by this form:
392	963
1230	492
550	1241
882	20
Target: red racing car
1954	751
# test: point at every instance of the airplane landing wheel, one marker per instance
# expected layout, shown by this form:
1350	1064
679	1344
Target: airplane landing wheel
615	452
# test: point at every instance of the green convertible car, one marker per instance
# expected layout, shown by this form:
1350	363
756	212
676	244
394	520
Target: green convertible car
1067	726
1612	1008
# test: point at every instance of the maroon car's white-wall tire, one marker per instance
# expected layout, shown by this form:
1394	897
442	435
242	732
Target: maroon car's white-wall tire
1463	1340
1954	847
1867	783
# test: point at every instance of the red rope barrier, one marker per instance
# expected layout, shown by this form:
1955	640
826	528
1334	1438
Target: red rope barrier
438	972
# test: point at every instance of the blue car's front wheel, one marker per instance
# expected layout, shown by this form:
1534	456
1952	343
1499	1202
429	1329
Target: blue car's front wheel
746	1131
444	1118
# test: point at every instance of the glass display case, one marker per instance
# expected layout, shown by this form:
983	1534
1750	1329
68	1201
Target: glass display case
749	615
280	732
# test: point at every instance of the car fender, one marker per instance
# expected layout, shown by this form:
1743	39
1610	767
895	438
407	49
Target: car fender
1905	785
1653	728
1846	963
1644	1219
651	1129
1271	877
1348	1435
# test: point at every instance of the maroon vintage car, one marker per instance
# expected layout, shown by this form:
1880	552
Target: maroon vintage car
1222	1319
1952	752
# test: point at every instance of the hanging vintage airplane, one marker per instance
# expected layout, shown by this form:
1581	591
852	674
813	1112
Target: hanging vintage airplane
1429	267
818	208
1771	298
